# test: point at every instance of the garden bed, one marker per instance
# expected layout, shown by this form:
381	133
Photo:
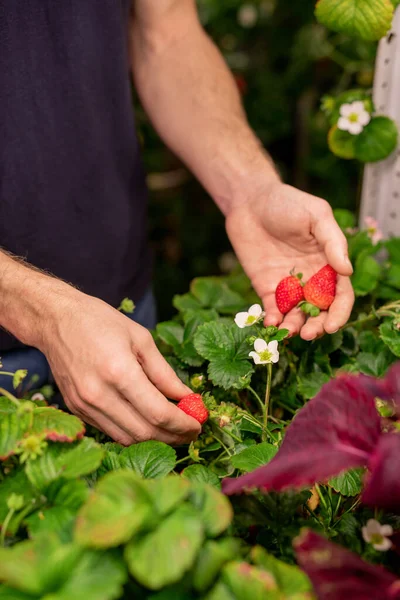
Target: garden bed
83	517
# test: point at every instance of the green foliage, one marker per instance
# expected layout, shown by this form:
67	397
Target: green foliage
368	19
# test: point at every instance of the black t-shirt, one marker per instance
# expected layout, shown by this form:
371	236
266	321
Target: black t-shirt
72	187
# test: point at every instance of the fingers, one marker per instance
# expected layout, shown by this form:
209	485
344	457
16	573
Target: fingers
337	316
314	327
154	408
340	310
294	321
329	235
160	373
272	315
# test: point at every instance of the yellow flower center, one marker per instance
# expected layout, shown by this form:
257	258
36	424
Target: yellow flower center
265	355
250	320
353	118
377	538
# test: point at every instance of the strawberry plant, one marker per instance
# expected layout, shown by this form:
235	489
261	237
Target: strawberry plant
310	431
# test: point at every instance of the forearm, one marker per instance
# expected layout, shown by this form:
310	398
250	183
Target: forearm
28	299
192	100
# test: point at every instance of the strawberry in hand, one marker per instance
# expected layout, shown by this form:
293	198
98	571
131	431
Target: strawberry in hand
193	405
289	293
320	291
275	228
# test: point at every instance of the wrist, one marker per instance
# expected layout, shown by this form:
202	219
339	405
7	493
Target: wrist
30	301
252	178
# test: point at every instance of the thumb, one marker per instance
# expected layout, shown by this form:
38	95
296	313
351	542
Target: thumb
160	373
329	235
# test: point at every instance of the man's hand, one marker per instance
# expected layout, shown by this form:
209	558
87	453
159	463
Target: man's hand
282	228
111	374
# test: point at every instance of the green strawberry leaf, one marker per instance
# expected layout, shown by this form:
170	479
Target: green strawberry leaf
38	566
12	429
344	218
391	337
163	556
213	556
214	509
349	483
7	593
56	425
119	507
170	332
226	347
310	384
150	460
367	19
373	364
16	482
65	460
214	292
250	583
199	473
377	140
341	143
292	581
167	493
366	274
254	457
186	302
98	576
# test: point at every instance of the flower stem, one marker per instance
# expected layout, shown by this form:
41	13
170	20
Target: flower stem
181	460
5	525
267	397
232	435
10	397
257	397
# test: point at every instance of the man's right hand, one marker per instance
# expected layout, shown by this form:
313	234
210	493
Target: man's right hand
107	367
112	375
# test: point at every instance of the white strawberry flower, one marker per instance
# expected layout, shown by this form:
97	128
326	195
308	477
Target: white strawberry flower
373	231
247	16
38	396
263	353
377	535
353	117
253	315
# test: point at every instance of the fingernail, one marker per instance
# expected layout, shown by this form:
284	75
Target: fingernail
348	262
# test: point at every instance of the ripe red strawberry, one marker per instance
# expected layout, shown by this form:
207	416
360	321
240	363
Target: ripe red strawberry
289	293
193	405
320	290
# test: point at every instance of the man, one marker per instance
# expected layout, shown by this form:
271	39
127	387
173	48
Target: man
72	197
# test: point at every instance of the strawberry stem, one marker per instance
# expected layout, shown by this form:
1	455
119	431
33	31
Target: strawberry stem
267	405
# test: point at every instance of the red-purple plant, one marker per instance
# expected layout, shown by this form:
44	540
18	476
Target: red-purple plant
337	430
337	573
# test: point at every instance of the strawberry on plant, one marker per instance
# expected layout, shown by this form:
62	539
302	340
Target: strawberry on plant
320	291
289	293
193	405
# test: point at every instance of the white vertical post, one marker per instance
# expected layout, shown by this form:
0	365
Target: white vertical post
381	185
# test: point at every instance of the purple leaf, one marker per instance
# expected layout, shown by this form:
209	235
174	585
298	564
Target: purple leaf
337	573
335	431
387	388
383	483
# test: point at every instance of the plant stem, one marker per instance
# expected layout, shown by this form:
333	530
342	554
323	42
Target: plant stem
257	397
7	373
181	460
10	397
232	435
267	400
229	453
5	525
